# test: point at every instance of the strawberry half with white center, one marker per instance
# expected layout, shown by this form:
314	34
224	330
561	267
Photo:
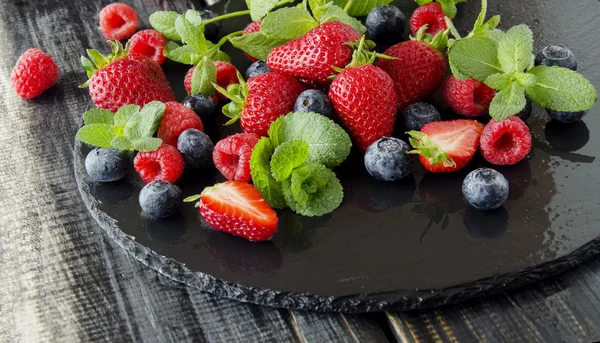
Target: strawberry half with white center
446	146
237	208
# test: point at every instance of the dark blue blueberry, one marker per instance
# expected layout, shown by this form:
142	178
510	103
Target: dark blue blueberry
526	112
196	148
485	189
556	55
160	199
257	68
566	117
386	159
419	114
107	165
211	30
385	24
205	107
313	100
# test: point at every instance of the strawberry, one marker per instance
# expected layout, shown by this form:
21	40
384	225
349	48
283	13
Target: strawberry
446	146
261	101
365	100
418	70
121	79
237	208
312	56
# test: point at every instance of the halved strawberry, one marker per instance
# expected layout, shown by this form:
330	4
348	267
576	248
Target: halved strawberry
237	208
446	146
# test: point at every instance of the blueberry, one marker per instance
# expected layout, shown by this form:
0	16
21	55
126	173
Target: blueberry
419	114
385	24
257	68
160	199
107	165
526	112
313	100
211	30
386	159
556	55
566	117
485	189
205	107
196	148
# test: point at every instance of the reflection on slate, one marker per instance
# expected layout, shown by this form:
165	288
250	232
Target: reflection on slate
114	192
369	194
295	233
486	224
567	137
166	230
238	254
519	178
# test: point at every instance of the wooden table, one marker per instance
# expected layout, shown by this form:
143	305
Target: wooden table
61	279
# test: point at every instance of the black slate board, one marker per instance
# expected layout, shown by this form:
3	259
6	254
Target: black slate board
407	245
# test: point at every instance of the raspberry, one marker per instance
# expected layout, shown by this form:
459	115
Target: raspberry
505	142
251	28
431	15
176	119
232	156
33	74
118	21
469	98
164	164
226	75
149	43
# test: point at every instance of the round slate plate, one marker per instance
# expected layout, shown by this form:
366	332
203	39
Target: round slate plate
406	245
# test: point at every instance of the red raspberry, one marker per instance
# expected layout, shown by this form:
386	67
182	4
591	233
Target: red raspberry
164	164
505	142
469	98
251	28
176	119
149	43
33	74
232	156
431	15
118	21
226	75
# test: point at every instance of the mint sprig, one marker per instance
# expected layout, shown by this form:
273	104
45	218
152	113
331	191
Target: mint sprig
448	6
203	78
128	129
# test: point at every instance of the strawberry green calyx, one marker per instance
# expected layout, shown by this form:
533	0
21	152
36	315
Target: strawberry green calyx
237	93
97	61
195	198
438	42
424	146
362	55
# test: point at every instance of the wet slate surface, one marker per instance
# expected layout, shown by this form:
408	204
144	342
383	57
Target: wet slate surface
407	245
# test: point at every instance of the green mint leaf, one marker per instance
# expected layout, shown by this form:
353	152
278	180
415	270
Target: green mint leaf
448	7
508	102
203	78
329	144
313	190
423	2
151	115
474	57
561	89
122	143
287	23
99	135
190	34
260	168
314	4
146	144
98	116
481	17
492	23
331	12
525	79
494	34
287	157
181	54
256	44
260	8
220	56
499	81
194	17
360	8
515	49
164	22
124	114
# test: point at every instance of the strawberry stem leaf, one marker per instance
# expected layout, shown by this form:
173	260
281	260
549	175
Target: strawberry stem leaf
425	147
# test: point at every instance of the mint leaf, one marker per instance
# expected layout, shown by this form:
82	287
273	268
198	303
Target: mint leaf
525	79
151	115
449	7
508	102
313	190
561	89
99	135
190	34
98	116
499	81
262	178
122	143
181	54
124	114
164	22
331	12
260	8
287	157
146	144
423	2
515	49
203	78
194	17
329	144
360	8
256	44
474	57
313	4
287	23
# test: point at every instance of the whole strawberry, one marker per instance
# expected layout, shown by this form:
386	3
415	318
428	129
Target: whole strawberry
418	70
312	56
121	79
261	101
365	100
